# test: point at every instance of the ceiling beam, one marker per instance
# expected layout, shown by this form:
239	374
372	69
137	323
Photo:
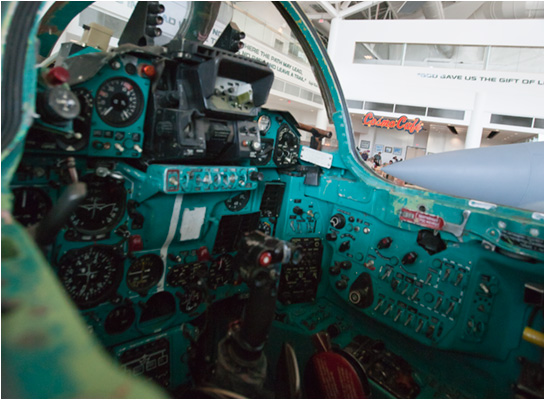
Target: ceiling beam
319	16
329	8
364	5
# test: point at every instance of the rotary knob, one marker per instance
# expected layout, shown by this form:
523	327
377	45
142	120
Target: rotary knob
338	221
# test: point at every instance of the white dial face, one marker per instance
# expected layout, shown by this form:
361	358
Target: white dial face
264	123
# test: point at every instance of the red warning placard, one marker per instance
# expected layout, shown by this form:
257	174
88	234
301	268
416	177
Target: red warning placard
422	219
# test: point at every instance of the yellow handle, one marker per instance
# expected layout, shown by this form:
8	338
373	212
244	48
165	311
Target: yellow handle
533	336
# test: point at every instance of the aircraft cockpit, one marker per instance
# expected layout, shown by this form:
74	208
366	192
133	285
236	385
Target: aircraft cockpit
164	233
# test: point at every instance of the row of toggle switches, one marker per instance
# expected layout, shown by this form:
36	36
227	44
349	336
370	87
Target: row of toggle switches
408	317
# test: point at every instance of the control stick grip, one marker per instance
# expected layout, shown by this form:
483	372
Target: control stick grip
46	230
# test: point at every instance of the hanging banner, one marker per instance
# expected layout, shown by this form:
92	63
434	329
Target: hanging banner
402	123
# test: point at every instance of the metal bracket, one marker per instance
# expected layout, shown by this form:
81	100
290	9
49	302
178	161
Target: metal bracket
457	230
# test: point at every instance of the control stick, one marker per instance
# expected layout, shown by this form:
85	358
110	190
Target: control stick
241	365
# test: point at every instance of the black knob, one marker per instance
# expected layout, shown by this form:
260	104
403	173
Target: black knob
256	176
409	258
384	243
298	210
341	285
346	265
338	221
153	31
331	236
154	20
155	7
335	269
344	246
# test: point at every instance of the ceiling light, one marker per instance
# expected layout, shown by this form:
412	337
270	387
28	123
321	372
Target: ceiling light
492	134
368	57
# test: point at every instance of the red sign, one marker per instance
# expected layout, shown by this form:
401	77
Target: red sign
419	218
402	123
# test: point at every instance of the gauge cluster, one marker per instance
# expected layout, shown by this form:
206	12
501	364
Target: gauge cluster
286	151
146	167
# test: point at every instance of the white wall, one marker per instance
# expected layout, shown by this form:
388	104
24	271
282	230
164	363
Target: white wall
439	87
439	142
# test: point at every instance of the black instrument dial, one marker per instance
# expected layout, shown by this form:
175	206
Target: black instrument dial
119	102
265	227
144	273
103	207
191	300
186	274
238	202
90	275
119	320
221	271
286	152
30	205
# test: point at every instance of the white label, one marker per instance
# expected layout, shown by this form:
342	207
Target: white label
192	221
316	157
482	204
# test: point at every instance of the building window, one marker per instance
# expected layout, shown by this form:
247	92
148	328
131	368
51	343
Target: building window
445	56
378	53
516	59
488	58
278	45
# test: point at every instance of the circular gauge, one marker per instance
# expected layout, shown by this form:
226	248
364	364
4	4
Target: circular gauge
58	105
86	102
144	273
103	207
30	205
264	227
159	308
191	300
286	152
221	271
119	102
90	275
185	274
238	202
81	124
119	320
264	123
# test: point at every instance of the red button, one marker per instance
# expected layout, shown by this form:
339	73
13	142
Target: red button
135	243
57	76
265	259
203	254
148	70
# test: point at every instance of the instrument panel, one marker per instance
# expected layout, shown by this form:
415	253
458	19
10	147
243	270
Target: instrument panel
179	164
